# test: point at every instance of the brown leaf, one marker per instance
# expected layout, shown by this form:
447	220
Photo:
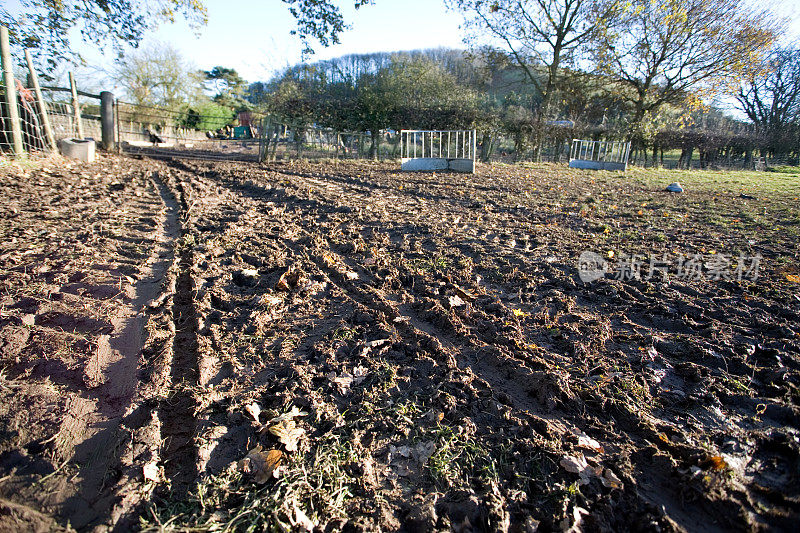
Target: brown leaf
610	480
288	433
715	462
586	442
289	280
466	295
259	464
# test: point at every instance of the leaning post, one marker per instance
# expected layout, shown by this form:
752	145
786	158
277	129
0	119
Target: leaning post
107	120
11	92
48	130
76	105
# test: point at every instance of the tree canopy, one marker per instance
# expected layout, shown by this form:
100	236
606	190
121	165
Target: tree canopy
661	52
44	25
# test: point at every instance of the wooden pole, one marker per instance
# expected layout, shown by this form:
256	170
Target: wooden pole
107	119
51	140
76	105
11	92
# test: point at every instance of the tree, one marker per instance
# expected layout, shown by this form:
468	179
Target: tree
320	20
667	50
206	116
411	91
544	33
156	75
231	88
44	25
770	98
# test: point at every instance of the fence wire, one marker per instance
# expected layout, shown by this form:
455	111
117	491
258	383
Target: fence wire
34	140
286	140
164	133
60	113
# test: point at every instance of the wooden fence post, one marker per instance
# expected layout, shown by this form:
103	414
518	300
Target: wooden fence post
11	92
107	119
51	139
76	106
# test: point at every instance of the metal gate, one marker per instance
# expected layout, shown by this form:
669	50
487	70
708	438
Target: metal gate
427	150
599	155
286	140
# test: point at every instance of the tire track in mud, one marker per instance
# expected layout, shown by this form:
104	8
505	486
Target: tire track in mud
529	390
655	478
177	410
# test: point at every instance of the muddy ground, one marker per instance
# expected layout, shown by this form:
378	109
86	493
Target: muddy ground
341	347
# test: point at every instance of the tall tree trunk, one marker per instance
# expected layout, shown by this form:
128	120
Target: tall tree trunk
487	147
376	144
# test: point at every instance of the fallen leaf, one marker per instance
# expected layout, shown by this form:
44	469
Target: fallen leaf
577	519
793	278
423	451
403	451
289	279
466	295
259	464
610	479
343	381
360	373
715	462
586	442
377	343
151	472
455	301
254	410
578	465
293	413
288	434
302	520
520	313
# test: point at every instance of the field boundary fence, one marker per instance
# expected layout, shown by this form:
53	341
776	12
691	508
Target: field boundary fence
282	140
162	132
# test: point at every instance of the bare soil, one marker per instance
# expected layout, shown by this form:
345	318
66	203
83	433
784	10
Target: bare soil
451	369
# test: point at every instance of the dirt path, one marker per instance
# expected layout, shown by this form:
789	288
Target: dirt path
86	482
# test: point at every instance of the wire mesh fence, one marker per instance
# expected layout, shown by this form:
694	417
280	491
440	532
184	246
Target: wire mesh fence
61	111
34	140
184	132
285	140
61	117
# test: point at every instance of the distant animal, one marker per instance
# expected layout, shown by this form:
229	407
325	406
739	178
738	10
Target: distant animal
155	139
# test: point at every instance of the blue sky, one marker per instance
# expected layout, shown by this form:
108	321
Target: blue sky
253	37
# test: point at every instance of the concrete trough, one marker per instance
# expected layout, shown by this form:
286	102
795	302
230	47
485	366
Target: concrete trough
80	149
597	165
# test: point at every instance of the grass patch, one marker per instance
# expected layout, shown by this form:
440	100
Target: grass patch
317	485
